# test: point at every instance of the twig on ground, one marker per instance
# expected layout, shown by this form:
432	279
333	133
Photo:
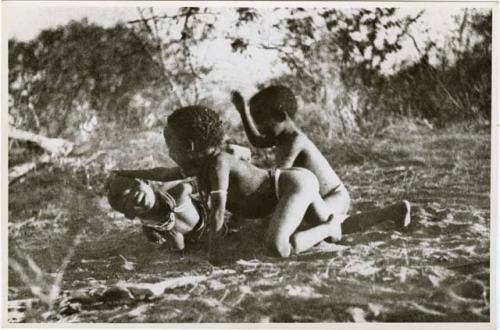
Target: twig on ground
224	296
39	286
56	286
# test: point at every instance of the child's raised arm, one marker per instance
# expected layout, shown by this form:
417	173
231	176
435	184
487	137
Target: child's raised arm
162	174
218	185
256	139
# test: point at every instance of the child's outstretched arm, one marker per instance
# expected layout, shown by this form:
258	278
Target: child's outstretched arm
256	139
162	174
219	183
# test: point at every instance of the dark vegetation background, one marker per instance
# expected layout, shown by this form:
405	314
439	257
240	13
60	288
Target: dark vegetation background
421	132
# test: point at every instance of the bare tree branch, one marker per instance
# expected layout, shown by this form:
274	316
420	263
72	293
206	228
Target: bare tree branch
166	16
158	59
54	146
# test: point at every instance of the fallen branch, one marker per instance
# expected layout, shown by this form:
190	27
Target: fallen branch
80	161
169	283
19	171
54	146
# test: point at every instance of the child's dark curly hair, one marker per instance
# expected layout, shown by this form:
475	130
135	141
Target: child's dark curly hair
274	101
197	124
116	185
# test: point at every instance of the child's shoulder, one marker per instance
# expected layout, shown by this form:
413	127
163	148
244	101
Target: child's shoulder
296	139
222	158
303	139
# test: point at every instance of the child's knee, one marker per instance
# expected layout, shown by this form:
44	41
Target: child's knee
347	199
282	248
339	202
294	244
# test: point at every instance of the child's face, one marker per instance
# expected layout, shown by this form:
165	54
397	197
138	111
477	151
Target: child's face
266	124
134	198
184	154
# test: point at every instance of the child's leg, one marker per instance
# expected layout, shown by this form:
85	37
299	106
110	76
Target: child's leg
399	213
331	228
334	228
298	190
337	202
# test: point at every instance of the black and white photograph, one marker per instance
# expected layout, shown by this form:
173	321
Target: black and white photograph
249	162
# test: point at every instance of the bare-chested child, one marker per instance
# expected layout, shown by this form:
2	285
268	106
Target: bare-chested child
194	136
167	218
268	122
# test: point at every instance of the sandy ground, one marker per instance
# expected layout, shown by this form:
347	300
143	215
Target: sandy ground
73	259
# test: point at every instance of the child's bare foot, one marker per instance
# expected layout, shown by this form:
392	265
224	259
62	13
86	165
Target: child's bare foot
335	225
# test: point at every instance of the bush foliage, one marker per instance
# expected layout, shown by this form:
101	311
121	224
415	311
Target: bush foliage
70	73
80	74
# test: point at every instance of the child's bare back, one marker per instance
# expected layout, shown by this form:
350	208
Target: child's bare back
250	190
297	150
194	136
269	123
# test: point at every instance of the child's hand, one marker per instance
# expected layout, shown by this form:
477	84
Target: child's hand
238	101
153	236
160	242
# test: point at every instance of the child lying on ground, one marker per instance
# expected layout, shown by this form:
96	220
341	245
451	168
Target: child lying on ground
130	194
167	217
269	123
194	136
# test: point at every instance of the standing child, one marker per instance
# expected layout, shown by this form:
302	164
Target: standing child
269	123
